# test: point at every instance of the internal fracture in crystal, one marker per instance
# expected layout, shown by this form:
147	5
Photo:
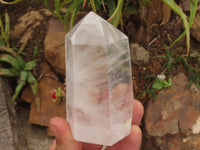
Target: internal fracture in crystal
99	82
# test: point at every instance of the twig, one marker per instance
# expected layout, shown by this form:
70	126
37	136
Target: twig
13	2
103	5
47	75
153	41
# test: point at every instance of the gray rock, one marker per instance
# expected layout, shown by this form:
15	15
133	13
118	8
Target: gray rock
16	133
138	54
35	137
6	131
175	109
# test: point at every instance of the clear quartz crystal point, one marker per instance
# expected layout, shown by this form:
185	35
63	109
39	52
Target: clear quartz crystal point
99	82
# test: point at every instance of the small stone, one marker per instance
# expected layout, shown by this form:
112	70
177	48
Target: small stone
161	76
196	127
138	54
186	139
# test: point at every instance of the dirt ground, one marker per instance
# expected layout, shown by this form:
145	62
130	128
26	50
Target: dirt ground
152	38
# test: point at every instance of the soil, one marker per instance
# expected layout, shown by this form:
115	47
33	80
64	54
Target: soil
152	40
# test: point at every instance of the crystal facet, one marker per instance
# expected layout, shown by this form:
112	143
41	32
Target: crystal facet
99	82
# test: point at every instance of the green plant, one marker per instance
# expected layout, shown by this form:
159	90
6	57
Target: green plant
160	84
36	51
148	91
17	67
58	95
187	25
190	63
74	7
5	31
155	85
10	3
115	9
116	14
171	61
193	70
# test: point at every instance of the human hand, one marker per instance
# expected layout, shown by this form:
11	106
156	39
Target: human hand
65	141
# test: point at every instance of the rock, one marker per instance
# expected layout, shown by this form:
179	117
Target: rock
195	29
48	108
35	137
138	54
6	131
15	131
55	46
26	26
173	120
196	127
30	137
179	142
175	110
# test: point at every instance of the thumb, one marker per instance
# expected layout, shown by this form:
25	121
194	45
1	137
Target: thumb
64	139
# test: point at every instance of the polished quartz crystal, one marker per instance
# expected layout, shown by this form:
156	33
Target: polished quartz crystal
99	82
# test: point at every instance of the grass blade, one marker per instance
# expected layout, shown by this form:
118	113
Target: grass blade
73	17
49	8
34	87
84	3
193	10
8	50
177	10
30	65
7	28
33	82
93	5
57	9
9	72
116	13
111	6
1	26
21	83
160	56
11	60
65	2
72	6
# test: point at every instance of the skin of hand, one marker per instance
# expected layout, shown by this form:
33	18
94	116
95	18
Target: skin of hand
65	141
